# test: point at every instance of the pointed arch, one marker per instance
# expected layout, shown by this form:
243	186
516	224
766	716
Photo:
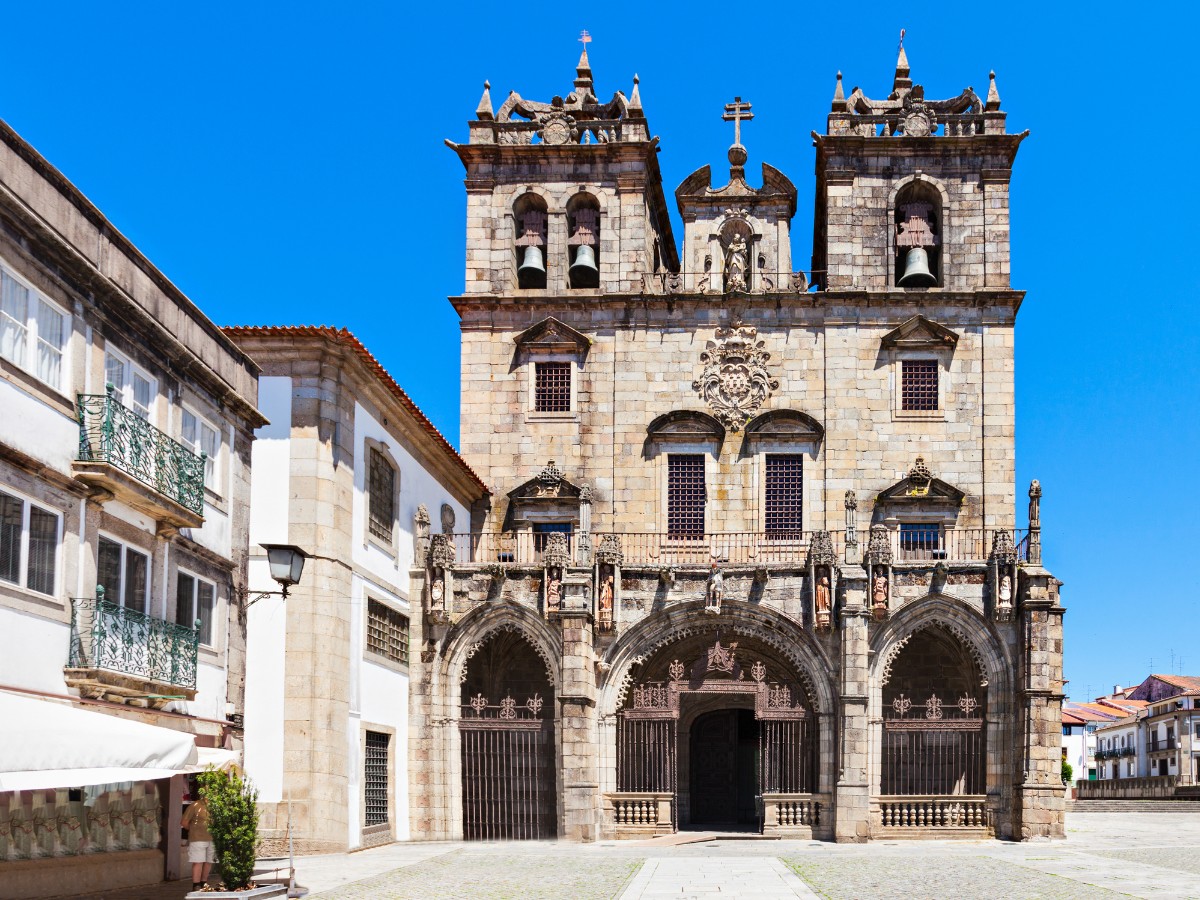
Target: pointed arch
474	629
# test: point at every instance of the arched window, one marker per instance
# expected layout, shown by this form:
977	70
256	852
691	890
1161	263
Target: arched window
918	227
583	242
529	223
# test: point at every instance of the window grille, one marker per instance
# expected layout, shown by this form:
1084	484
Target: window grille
382	501
552	387
785	491
918	384
376	777
685	495
920	540
387	632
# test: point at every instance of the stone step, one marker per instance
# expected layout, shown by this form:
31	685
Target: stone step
1133	806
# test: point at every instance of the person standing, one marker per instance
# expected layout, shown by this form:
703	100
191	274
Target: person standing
200	846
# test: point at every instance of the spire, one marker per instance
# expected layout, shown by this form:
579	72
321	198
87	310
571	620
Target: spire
839	97
902	82
635	99
483	111
993	96
583	70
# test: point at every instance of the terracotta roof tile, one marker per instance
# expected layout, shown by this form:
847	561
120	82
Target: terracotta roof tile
345	337
1187	682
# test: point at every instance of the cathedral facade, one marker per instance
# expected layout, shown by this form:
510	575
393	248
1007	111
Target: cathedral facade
751	558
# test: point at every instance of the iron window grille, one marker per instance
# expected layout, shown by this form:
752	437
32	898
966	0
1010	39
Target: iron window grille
920	540
918	384
552	387
382	500
543	530
387	632
376	777
686	495
785	493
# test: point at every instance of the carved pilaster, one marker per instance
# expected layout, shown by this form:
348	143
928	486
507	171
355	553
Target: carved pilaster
851	526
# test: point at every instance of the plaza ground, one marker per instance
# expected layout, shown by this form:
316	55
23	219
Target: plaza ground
1105	855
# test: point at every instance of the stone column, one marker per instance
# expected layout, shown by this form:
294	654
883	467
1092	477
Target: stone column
1040	796
579	765
853	795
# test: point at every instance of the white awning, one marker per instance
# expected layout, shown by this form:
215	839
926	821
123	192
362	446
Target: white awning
51	744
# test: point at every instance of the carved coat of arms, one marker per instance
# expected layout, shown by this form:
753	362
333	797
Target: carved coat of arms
735	381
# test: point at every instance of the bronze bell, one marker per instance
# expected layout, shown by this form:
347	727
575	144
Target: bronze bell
584	273
532	272
916	270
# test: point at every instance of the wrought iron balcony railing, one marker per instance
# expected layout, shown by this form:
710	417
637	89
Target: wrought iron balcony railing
115	639
111	433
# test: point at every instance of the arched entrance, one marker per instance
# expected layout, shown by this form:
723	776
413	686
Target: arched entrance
716	729
506	727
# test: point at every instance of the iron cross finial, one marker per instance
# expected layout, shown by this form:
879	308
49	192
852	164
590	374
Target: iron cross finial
585	38
737	112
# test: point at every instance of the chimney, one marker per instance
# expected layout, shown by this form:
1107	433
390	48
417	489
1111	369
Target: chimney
1117	689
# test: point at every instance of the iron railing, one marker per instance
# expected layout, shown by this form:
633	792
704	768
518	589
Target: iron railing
111	433
111	637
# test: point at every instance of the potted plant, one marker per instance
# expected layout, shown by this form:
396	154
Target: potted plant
233	823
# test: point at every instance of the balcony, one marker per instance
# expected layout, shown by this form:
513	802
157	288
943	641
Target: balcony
122	454
128	656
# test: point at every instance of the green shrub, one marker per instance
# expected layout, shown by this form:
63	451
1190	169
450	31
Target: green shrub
233	821
1068	772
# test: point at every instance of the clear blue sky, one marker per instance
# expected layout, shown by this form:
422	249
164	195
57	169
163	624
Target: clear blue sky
285	164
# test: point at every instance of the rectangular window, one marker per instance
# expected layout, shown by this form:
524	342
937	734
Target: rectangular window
543	530
686	495
33	332
920	540
552	387
195	599
132	386
387	632
28	544
375	778
918	384
785	491
202	438
124	573
381	496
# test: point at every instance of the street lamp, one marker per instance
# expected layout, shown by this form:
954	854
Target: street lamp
286	562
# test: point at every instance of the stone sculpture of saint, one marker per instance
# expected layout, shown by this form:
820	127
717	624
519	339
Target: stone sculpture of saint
436	593
715	591
879	587
1006	591
606	599
823	594
553	593
735	264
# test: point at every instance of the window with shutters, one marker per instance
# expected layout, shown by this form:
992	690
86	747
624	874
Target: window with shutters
29	539
552	387
918	385
387	632
784	495
686	495
375	777
381	496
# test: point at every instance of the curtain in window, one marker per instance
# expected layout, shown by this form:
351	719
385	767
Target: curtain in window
43	544
14	314
114	372
142	395
210	443
185	595
11	513
108	570
51	329
137	566
207	597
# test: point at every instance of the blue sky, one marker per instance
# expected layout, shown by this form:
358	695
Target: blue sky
285	164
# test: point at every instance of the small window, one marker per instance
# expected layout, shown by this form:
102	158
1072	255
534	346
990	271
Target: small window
552	387
132	386
195	599
784	496
387	632
686	495
918	384
920	540
203	439
33	332
28	544
375	777
381	498
543	530
124	574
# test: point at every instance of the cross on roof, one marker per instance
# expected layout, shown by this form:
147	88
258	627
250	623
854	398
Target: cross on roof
585	38
737	112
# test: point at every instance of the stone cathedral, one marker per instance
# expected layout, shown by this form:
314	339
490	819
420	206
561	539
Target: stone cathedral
751	559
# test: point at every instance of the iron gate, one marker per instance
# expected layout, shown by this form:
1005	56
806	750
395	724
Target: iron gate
939	750
787	756
507	771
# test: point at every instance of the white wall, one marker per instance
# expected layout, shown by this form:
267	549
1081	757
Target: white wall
209	702
33	651
34	428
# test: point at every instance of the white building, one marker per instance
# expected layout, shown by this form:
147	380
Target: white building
349	470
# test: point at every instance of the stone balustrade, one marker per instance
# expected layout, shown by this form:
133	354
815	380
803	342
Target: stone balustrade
790	812
967	811
630	814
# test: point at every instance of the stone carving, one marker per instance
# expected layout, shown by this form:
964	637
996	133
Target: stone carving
421	531
585	493
583	548
758	671
879	547
1003	550
553	592
550	477
605	616
714	591
798	282
676	670
721	659
821	594
820	551
1006	593
735	264
556	128
735	381
879	594
447	519
610	552
557	552
918	118
919	477
441	551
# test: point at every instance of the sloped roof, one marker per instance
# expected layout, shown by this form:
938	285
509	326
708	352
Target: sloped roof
1093	712
346	338
1186	682
1069	719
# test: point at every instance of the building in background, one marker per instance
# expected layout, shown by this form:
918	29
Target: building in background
351	471
125	439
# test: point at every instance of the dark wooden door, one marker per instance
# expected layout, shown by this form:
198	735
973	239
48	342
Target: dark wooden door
713	767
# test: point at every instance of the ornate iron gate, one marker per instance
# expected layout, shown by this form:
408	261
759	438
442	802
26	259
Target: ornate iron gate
938	750
508	770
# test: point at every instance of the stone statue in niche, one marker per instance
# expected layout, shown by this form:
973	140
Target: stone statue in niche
714	591
447	519
436	593
735	264
553	590
821	595
1006	592
879	594
606	599
706	278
